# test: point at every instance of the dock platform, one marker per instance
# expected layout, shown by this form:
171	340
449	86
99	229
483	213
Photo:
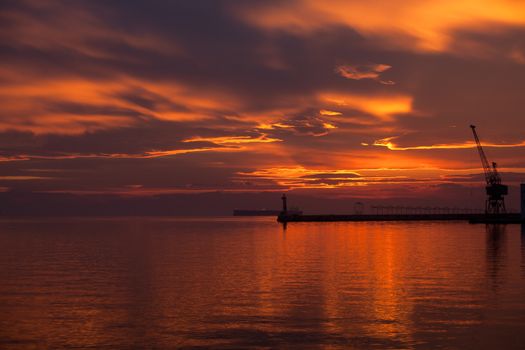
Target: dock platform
510	218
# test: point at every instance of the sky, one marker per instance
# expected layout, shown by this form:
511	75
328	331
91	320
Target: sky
325	100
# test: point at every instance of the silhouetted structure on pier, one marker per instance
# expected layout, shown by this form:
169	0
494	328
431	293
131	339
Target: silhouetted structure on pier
418	210
404	213
285	205
495	203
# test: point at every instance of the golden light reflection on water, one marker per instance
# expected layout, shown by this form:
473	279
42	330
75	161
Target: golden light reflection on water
171	283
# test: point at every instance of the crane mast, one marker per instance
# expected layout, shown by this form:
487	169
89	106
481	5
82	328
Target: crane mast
495	203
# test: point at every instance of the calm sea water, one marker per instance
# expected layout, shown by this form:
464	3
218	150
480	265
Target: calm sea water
246	283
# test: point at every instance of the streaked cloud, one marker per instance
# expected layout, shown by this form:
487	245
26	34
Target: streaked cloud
384	107
328	112
24	178
369	71
387	142
423	25
156	97
233	140
301	178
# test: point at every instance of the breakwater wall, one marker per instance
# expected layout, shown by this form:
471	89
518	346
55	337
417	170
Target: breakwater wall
504	218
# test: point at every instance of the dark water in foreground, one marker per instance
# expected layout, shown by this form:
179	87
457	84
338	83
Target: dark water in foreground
244	282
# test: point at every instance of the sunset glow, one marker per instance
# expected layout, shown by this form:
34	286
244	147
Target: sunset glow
262	174
260	96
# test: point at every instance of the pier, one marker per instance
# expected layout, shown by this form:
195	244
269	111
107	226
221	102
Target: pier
286	216
472	218
495	210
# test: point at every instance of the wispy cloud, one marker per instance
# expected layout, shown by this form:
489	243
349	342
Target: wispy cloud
384	107
233	140
387	142
299	177
397	23
368	71
261	95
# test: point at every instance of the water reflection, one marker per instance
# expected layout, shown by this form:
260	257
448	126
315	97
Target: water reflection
522	239
496	250
164	283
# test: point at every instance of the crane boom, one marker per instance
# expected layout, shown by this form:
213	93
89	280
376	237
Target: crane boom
484	162
496	191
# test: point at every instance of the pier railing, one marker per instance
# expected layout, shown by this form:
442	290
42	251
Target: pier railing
475	217
421	210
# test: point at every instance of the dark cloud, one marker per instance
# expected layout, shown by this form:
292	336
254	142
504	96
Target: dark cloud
149	136
331	176
113	80
150	100
86	109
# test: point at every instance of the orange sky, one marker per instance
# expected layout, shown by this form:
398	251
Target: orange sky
332	98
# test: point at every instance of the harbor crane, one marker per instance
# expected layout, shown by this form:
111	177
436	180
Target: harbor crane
495	203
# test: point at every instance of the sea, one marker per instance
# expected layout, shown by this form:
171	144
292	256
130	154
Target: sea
252	283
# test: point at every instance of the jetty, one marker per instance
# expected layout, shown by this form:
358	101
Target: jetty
495	210
473	218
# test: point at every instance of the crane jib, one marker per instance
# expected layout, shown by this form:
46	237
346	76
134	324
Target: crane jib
495	203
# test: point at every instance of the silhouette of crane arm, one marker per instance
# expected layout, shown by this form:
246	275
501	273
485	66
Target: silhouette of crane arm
489	175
